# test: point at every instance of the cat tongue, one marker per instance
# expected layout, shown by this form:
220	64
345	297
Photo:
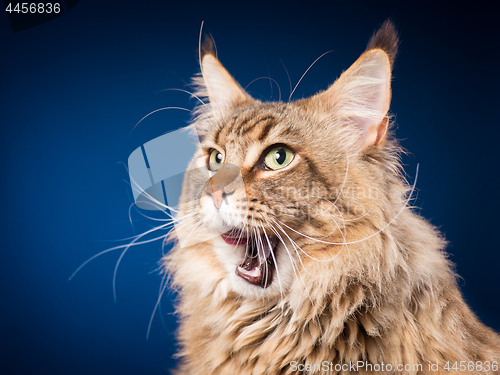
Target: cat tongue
256	266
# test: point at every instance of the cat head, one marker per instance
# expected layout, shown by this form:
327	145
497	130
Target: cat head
295	185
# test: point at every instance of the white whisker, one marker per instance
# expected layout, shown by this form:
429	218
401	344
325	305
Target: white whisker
271	80
157	110
373	234
163	285
288	75
310	66
122	246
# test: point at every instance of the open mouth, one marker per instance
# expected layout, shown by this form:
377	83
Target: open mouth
257	266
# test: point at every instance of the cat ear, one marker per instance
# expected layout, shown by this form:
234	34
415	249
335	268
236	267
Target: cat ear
215	81
362	94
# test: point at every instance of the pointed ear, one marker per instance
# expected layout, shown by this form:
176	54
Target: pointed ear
362	95
215	82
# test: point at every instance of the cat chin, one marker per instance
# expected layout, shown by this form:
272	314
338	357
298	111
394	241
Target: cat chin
250	291
230	257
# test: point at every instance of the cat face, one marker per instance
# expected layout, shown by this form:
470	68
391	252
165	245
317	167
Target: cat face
263	142
290	182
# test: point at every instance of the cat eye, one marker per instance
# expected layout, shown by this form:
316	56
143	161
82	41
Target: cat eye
215	160
278	157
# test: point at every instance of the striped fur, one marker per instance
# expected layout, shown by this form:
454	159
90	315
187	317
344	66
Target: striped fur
362	277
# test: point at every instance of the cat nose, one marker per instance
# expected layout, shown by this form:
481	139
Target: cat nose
222	184
218	197
219	194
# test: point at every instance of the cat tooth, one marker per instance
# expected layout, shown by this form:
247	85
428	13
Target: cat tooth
254	275
254	272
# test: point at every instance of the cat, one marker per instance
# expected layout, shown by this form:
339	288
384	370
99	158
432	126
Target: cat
300	252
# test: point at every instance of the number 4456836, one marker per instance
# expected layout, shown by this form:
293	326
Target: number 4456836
471	366
33	8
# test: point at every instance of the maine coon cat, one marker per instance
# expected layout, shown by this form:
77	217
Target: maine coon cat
315	262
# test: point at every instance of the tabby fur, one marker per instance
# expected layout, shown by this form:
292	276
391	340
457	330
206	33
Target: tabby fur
362	277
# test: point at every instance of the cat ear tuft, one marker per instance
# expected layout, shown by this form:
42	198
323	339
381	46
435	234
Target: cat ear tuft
215	81
207	47
362	95
386	39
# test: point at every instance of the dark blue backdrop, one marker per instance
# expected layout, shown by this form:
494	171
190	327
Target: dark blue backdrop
73	88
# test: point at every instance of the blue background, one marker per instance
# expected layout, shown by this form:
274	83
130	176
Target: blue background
72	90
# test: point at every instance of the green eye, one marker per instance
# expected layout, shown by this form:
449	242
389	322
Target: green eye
215	160
279	157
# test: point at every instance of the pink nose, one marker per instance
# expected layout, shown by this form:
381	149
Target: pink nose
216	194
